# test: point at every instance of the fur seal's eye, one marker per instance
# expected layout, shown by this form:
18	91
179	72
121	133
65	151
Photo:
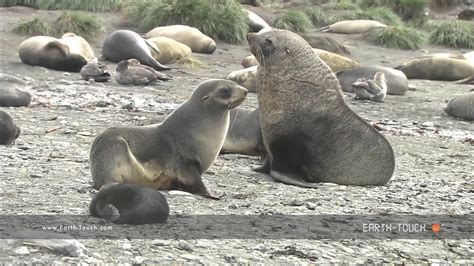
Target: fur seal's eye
205	97
287	51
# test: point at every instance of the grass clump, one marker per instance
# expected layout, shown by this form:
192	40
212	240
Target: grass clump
317	17
445	3
345	6
407	9
293	20
223	19
85	5
380	14
35	26
455	33
81	24
396	37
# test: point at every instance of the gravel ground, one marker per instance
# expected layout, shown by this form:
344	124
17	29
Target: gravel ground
46	171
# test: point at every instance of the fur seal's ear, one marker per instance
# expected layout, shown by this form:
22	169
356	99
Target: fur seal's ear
287	51
268	48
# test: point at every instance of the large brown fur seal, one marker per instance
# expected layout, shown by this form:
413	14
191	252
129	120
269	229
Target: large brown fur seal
309	133
8	130
171	51
129	204
175	153
51	53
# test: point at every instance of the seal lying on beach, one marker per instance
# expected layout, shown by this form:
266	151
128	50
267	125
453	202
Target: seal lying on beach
462	107
310	134
11	92
131	72
175	153
8	130
129	204
397	82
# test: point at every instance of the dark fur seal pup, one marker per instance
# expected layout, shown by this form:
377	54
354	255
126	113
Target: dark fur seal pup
174	154
11	93
309	133
129	204
462	107
368	89
95	71
8	130
126	44
245	133
51	53
131	72
397	82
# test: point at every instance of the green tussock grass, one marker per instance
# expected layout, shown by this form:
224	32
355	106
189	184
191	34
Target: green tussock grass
223	19
292	20
445	3
407	9
79	23
344	6
317	17
35	26
85	5
455	33
396	37
380	14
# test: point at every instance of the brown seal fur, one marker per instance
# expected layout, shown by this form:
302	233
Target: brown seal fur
309	133
175	153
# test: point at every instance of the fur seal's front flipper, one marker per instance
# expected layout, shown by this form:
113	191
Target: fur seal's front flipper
191	179
291	179
265	168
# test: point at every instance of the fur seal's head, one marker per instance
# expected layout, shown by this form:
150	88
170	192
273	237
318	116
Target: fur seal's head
219	92
275	46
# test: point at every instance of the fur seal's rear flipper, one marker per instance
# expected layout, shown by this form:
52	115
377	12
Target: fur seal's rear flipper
323	29
291	179
468	80
109	212
265	168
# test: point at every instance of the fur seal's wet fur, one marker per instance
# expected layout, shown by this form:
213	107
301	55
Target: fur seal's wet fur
371	89
309	133
8	130
11	93
129	204
245	133
397	82
126	44
175	153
